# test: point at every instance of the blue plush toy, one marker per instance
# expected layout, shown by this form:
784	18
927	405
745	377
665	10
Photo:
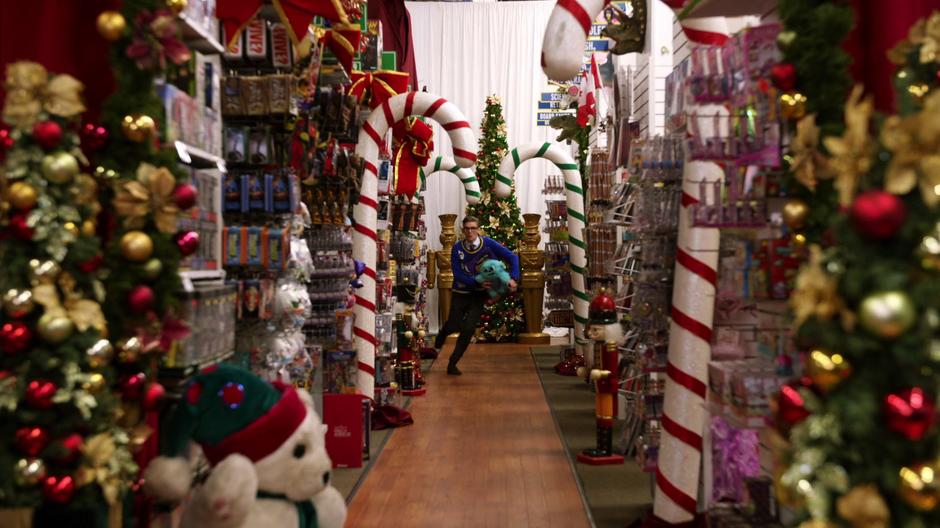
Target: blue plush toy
494	271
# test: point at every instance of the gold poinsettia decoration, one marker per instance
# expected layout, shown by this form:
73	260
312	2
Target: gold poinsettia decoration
84	313
107	463
924	33
30	92
914	142
151	192
816	293
851	154
808	163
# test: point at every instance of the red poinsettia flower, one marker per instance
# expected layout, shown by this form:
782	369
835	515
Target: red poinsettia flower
156	39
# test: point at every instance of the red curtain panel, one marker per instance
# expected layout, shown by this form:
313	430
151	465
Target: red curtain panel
879	25
60	35
396	29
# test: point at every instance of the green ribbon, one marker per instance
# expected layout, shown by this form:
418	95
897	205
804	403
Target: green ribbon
306	512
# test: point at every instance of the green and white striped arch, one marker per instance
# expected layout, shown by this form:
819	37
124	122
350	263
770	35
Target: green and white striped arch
574	195
448	164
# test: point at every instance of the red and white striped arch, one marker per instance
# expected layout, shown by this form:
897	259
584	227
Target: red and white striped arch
371	140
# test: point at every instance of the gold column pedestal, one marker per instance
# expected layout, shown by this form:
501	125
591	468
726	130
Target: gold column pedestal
532	262
439	267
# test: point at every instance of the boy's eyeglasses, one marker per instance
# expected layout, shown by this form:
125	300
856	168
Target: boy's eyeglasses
471	228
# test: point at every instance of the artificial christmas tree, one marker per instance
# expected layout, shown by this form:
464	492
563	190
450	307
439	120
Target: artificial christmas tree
500	219
861	425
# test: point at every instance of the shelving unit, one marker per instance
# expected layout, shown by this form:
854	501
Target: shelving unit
198	37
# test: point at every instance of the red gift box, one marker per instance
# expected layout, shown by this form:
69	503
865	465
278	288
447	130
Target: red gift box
342	413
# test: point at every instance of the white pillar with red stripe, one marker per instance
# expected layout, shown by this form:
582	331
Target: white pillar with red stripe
371	140
693	305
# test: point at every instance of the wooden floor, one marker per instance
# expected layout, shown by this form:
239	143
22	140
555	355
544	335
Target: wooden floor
483	452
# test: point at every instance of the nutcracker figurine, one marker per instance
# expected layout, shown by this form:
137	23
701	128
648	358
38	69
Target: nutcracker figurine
605	330
408	365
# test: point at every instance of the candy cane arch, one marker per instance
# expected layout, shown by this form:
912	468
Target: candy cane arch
448	164
690	333
574	194
371	141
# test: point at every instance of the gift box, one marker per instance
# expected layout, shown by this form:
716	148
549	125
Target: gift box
342	414
184	116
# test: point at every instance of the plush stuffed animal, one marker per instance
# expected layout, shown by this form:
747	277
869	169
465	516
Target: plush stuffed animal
494	271
266	446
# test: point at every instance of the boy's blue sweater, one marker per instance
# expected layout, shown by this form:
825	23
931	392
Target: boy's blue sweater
466	263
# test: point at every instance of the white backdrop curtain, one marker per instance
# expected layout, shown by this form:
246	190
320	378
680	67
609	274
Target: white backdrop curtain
466	51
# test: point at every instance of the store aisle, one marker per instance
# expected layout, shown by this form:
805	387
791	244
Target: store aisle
483	452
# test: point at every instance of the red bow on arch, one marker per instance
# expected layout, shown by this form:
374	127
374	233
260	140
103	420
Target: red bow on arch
378	86
343	41
414	151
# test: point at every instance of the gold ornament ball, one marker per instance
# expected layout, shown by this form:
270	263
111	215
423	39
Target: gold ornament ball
795	212
43	271
138	127
863	506
136	246
887	314
55	329
100	353
18	303
827	369
95	382
72	228
22	196
408	334
29	471
111	25
421	334
929	250
920	486
918	91
129	350
793	105
152	269
89	228
59	167
176	6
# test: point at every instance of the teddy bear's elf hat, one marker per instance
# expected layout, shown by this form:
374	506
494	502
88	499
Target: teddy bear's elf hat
229	410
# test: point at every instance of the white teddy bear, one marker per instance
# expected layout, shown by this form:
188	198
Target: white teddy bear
266	446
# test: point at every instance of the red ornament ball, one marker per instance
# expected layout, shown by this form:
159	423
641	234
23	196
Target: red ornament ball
48	134
141	299
910	413
31	440
70	448
91	265
39	393
6	140
132	387
784	77
187	242
791	409
15	337
18	227
153	397
59	488
184	196
877	214
93	137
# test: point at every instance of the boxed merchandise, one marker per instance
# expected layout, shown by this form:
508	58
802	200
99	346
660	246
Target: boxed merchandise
342	414
389	61
281	51
340	372
256	41
208	75
184	116
210	315
370	58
